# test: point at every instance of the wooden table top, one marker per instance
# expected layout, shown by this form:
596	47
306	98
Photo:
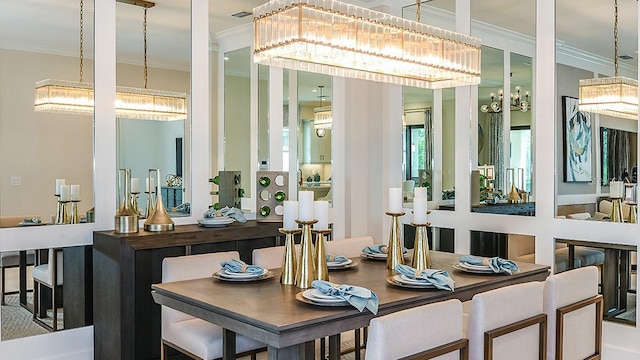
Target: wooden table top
268	311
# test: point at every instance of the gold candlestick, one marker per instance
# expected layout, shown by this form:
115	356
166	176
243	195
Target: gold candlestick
306	272
75	219
320	254
616	210
59	218
421	257
289	258
159	220
633	213
134	202
395	248
64	213
149	208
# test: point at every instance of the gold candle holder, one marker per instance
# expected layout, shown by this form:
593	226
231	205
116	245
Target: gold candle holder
616	210
134	202
289	258
306	272
64	213
159	220
320	254
395	248
59	217
149	209
421	257
126	220
75	219
633	213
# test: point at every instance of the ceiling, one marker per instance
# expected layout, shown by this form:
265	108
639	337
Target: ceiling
53	26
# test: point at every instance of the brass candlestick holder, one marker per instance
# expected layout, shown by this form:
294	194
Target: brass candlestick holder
134	202
633	213
75	219
322	272
421	257
289	258
616	210
126	220
59	216
149	209
159	220
395	248
306	272
64	213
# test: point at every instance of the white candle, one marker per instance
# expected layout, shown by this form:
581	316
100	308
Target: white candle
420	210
305	206
420	192
149	184
75	192
395	200
59	183
64	193
135	185
290	215
615	189
321	212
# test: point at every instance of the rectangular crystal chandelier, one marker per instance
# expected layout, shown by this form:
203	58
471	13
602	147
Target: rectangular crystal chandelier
70	97
322	117
333	38
613	96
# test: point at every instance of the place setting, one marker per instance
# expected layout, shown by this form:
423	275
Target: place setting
379	252
326	293
339	262
485	266
409	277
238	271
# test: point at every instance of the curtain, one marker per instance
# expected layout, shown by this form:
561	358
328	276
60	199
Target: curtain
496	150
428	136
619	154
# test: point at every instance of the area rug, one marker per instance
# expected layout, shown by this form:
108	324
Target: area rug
17	322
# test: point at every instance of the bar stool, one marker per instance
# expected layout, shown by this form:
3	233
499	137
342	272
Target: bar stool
50	276
11	259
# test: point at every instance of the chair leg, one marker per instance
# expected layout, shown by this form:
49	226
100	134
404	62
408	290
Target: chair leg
35	299
357	344
2	301
54	310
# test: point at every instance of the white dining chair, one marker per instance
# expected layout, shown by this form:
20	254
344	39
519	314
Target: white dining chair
349	247
574	315
271	257
47	275
422	332
508	321
8	260
189	335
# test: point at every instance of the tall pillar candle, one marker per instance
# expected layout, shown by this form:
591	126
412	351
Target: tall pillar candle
420	211
59	183
75	192
395	200
321	213
64	193
135	185
419	192
290	215
305	206
615	189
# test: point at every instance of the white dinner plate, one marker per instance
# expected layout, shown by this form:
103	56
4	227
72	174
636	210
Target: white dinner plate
316	295
339	264
475	267
217	220
380	256
406	280
472	271
229	274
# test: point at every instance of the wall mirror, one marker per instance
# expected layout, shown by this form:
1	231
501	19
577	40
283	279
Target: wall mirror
418	141
314	134
36	148
263	117
237	114
147	143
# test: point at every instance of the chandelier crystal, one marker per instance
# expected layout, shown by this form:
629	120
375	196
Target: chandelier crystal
333	38
615	96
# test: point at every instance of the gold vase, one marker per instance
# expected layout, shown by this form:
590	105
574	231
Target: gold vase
306	272
421	257
126	220
320	255
395	248
514	197
633	213
616	211
289	258
159	220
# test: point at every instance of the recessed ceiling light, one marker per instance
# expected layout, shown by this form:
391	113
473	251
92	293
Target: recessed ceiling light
226	58
241	14
314	90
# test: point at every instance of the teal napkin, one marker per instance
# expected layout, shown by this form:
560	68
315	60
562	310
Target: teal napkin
439	278
239	266
380	249
358	297
337	258
498	265
230	212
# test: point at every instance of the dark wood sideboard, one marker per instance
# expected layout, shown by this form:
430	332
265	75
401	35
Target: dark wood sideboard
127	321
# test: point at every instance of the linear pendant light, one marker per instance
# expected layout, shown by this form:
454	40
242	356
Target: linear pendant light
615	96
71	97
334	38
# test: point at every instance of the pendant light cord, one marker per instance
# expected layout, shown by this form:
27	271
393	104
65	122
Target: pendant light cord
145	47
81	39
615	36
418	15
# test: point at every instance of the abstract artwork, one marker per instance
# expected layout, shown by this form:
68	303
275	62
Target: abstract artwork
577	142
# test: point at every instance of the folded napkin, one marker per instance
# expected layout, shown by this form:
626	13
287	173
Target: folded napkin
358	297
239	266
438	278
380	249
184	208
230	212
498	265
337	258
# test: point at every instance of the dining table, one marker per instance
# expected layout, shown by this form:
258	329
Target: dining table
279	316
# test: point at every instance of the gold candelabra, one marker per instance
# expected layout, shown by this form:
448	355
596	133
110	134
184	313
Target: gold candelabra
616	210
289	258
395	248
306	272
134	202
322	272
74	219
421	257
